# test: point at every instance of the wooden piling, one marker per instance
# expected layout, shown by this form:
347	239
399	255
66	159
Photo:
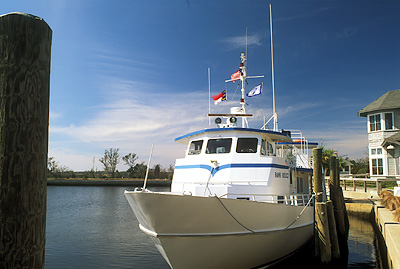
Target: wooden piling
317	174
333	173
25	43
335	249
322	231
322	236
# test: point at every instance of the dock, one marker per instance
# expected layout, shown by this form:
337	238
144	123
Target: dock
370	205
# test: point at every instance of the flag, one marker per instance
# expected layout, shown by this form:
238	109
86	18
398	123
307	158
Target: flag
255	91
220	97
235	76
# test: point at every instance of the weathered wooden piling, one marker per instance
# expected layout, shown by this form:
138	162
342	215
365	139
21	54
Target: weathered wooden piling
335	248
322	236
25	48
336	195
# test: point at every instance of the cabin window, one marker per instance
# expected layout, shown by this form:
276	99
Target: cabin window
300	188
266	148
375	122
221	145
195	147
388	121
247	145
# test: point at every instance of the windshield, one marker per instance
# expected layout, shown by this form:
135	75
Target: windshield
221	145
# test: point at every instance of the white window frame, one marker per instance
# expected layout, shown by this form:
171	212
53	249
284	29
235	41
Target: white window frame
378	153
384	120
375	122
377	167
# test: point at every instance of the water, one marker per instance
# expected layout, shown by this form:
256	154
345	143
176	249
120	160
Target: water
94	227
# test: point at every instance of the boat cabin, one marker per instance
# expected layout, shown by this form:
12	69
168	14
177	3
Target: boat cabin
240	163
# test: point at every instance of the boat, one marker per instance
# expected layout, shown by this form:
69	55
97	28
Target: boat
240	197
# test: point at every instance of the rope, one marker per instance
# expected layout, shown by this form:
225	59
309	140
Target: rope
208	181
237	87
250	230
302	211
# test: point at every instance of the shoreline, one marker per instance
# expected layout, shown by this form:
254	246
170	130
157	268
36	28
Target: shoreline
109	182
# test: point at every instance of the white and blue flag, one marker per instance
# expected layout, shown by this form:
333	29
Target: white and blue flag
255	91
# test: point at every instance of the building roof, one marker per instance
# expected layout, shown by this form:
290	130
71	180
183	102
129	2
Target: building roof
394	139
390	100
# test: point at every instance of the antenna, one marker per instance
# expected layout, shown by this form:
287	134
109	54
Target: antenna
273	74
148	167
209	97
246	40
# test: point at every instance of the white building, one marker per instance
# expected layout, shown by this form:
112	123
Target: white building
383	120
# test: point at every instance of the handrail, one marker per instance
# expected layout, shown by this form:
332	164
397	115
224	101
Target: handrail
288	199
375	178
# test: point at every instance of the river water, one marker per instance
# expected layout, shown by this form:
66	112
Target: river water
94	227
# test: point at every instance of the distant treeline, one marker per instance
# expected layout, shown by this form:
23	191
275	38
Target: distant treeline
110	161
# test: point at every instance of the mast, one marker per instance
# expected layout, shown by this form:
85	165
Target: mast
209	97
243	80
273	74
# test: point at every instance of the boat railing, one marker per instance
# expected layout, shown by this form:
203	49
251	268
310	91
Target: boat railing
299	152
242	182
291	199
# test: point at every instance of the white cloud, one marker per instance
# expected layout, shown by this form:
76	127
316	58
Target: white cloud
237	42
132	122
350	142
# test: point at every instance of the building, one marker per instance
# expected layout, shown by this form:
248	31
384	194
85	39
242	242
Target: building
383	121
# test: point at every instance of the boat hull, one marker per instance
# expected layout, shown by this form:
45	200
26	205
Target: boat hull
211	232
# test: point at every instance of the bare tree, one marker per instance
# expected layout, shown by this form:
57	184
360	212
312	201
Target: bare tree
110	160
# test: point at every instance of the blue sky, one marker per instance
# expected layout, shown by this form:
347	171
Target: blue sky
129	74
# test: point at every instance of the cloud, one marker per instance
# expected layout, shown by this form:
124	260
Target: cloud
303	15
350	142
237	42
131	121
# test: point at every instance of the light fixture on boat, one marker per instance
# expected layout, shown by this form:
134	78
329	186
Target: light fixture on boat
218	121
233	119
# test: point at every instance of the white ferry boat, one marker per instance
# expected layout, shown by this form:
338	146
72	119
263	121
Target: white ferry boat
240	197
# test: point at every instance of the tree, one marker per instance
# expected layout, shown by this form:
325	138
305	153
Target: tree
54	169
110	160
156	171
326	156
139	170
129	160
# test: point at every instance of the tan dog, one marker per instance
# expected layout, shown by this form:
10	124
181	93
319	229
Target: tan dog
397	215
386	196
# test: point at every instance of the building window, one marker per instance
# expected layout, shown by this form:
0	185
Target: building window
376	151
388	121
377	167
375	122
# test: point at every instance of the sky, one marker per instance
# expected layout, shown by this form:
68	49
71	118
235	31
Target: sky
129	74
